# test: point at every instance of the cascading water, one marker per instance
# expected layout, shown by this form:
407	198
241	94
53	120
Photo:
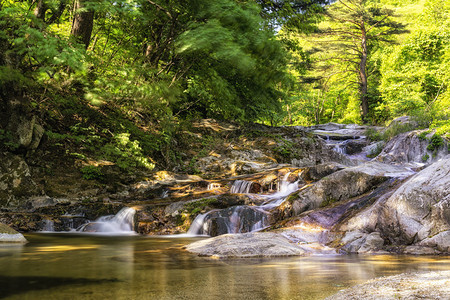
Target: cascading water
241	187
239	219
121	223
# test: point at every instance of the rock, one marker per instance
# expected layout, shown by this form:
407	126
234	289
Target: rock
359	242
7	234
38	132
339	186
355	146
419	250
259	244
430	285
409	148
440	241
16	183
319	171
404	121
419	211
236	219
373	242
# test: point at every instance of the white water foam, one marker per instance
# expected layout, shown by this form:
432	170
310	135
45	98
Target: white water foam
120	224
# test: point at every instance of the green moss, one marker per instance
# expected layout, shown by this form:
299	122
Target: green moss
92	172
196	207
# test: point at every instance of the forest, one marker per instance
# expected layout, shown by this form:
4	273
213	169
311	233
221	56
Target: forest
121	80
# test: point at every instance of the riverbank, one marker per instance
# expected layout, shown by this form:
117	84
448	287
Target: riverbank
422	285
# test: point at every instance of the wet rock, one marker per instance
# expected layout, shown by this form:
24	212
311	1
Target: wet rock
319	171
359	242
259	244
7	234
355	146
419	250
339	186
236	219
419	211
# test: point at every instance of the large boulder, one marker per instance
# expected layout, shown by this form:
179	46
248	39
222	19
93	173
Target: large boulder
419	211
339	186
412	147
16	183
9	235
259	244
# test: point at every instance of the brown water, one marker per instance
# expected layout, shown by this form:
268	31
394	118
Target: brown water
53	266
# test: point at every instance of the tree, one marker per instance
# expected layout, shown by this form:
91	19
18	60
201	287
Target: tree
83	22
357	26
293	14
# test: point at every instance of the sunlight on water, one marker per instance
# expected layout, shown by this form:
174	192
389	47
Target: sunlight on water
64	266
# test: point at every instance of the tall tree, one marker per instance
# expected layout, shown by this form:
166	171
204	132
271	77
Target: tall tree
83	22
357	26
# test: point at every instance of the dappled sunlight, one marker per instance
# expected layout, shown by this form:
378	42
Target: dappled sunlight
64	248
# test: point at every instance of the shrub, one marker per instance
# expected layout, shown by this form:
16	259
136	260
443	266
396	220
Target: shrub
91	173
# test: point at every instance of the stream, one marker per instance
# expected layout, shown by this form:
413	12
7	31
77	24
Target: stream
82	266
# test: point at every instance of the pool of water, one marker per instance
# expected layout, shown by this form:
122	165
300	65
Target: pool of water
68	266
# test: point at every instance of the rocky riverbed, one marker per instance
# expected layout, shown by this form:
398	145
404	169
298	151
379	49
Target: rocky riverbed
315	189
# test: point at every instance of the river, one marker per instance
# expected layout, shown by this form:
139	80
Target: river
81	266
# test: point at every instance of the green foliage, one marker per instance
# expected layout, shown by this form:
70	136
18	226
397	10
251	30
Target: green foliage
373	134
425	157
423	135
436	142
287	150
7	141
92	173
126	153
195	207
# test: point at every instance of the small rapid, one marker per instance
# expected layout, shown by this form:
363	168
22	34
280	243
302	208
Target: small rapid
242	218
121	223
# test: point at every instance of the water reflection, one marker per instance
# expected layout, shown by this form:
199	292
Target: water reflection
93	267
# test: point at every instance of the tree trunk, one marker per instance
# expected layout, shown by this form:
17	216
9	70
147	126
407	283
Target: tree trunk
40	10
363	76
83	22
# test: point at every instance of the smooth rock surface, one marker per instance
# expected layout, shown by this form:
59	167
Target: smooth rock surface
9	235
431	285
341	185
420	209
409	148
259	244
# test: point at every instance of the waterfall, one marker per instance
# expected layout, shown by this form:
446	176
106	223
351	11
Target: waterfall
240	219
241	187
197	226
236	219
214	186
49	226
122	222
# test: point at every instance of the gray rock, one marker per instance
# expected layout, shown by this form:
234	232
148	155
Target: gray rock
38	132
419	250
259	244
372	243
339	186
429	285
420	209
9	235
409	148
16	183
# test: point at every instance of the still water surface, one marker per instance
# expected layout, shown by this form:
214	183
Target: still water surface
68	266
